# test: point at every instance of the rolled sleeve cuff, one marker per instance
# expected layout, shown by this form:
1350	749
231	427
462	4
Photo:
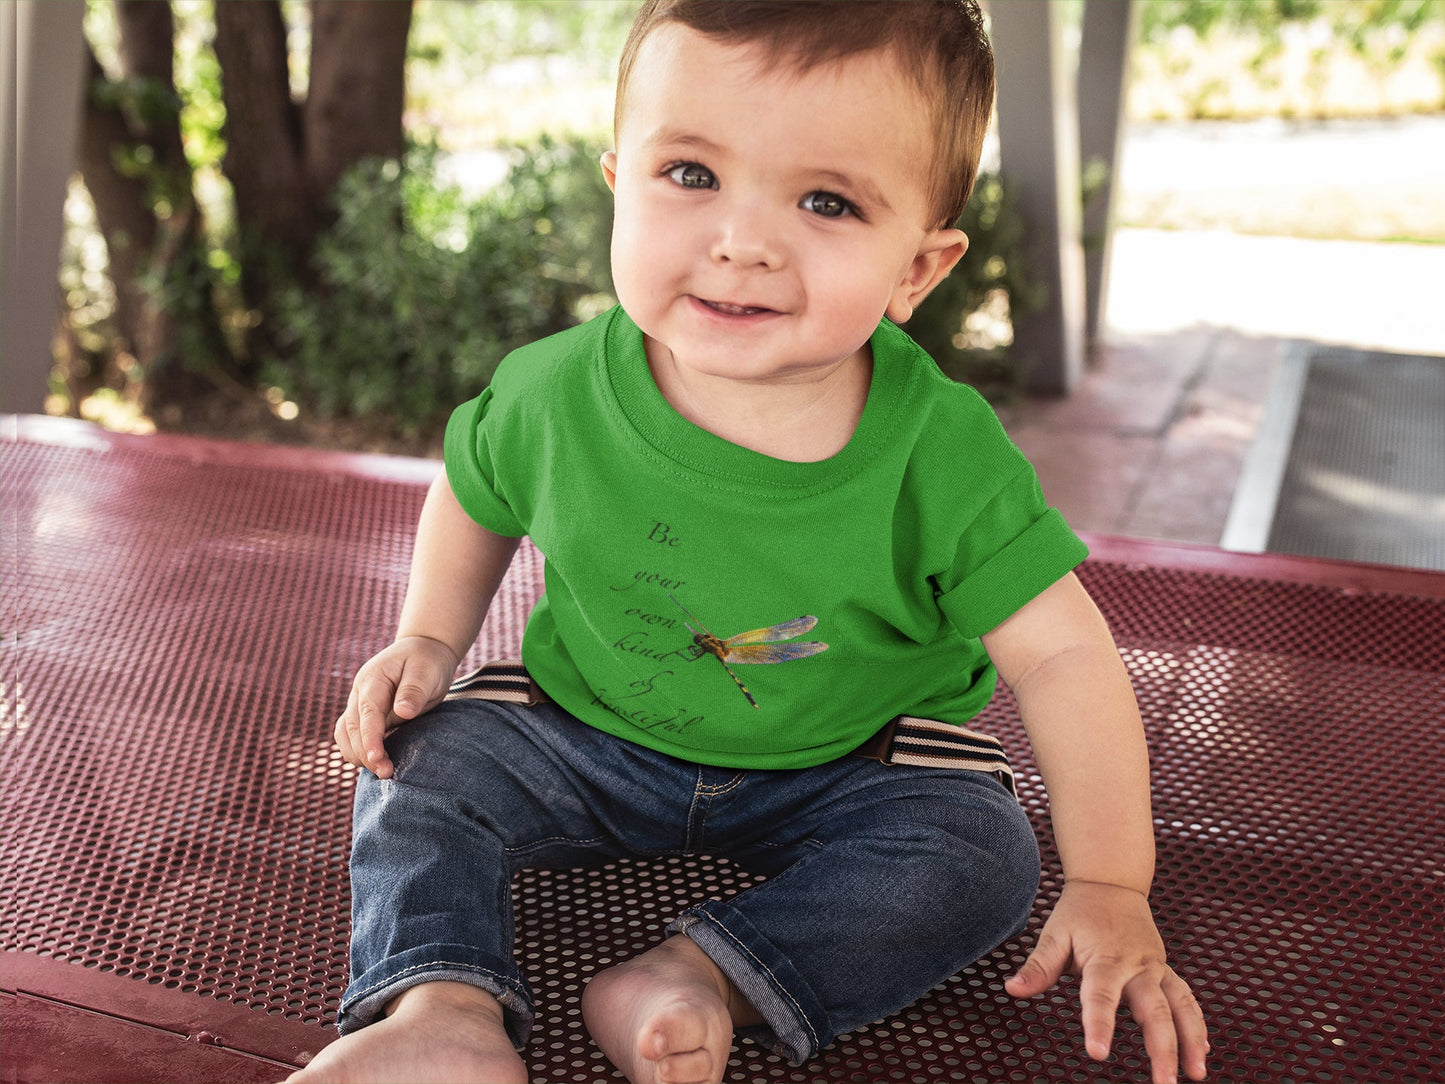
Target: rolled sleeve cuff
1046	551
466	452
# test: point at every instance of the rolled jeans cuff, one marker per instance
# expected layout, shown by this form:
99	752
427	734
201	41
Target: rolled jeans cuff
370	993
772	986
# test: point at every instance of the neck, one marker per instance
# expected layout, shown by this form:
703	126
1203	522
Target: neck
802	421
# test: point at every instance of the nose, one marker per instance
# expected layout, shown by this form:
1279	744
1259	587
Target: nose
746	237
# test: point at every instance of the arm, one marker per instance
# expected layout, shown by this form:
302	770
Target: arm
456	568
1078	707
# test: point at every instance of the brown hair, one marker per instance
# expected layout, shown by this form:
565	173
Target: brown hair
941	42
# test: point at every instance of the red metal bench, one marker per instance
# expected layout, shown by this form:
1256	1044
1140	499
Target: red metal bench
181	619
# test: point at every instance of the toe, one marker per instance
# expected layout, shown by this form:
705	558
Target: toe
694	1067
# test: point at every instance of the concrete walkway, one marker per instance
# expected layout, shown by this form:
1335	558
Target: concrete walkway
1153	443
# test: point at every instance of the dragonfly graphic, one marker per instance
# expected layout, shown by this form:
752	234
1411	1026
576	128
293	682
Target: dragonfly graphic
756	646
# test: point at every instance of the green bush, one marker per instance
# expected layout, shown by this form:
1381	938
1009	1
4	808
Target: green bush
1215	59
1265	17
419	292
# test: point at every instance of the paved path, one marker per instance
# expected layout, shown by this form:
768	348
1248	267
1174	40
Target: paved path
1153	442
1363	179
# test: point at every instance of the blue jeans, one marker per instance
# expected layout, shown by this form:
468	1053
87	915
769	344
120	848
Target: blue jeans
883	880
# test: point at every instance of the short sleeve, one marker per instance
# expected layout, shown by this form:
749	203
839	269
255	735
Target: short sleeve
470	450
1016	547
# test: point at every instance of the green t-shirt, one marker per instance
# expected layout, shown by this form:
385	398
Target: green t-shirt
733	609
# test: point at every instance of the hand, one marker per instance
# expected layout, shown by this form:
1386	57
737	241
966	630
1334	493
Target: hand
396	685
1106	935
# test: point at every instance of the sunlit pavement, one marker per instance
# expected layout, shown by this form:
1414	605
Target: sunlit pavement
1153	442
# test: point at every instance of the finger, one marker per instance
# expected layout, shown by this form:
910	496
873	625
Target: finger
1155	1017
347	730
344	744
412	696
1044	967
1100	987
372	734
1189	1025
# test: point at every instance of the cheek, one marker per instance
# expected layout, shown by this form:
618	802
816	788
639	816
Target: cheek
852	284
629	252
644	277
636	232
629	280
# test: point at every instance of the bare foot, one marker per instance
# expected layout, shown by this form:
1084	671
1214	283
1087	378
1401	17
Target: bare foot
666	1017
441	1031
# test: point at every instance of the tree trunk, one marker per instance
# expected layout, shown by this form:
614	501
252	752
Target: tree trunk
146	210
283	160
147	61
358	88
147	53
263	129
122	209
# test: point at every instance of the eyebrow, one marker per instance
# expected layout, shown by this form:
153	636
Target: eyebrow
867	192
673	137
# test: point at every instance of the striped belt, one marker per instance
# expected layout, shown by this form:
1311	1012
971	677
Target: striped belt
506	680
928	743
923	743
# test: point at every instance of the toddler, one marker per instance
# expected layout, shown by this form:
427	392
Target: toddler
786	562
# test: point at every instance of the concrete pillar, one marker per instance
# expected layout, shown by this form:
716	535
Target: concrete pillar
1039	153
41	77
1109	28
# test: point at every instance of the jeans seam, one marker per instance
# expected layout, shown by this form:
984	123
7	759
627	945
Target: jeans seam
708	792
723	788
430	965
548	840
807	841
777	986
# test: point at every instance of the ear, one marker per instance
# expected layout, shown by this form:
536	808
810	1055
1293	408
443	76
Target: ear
937	254
609	169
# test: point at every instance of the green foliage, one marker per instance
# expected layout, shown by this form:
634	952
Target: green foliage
198	77
420	292
1265	17
1230	58
965	322
523	66
503	30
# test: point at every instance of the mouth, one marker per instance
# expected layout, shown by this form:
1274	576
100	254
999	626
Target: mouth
727	309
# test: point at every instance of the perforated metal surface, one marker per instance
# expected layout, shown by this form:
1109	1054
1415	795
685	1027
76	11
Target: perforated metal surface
181	620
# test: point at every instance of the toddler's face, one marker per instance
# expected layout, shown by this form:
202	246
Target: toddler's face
766	219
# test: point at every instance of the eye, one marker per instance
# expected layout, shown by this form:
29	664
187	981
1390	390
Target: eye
827	204
692	175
